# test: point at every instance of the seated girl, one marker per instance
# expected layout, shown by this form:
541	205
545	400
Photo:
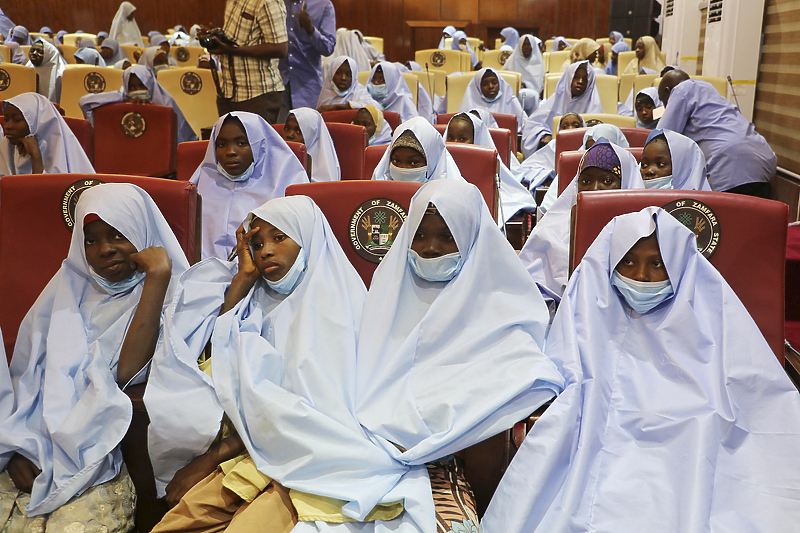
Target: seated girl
387	85
279	381
584	50
686	170
604	166
425	95
576	92
514	197
617	48
378	130
111	51
540	164
49	65
460	42
417	153
560	44
528	61
488	90
89	56
340	88
648	58
139	85
450	347
90	333
509	38
305	126
17	55
37	139
159	41
246	164
674	401
154	58
646	101
447	33
348	44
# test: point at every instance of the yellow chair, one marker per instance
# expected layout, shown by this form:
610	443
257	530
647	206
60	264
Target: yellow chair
129	50
72	39
44	36
495	58
5	53
473	43
16	79
187	56
68	52
572	42
456	87
617	120
26	50
546	61
376	42
628	41
80	80
548	45
433	80
512	78
720	84
642	81
448	60
146	40
626	82
550	83
194	91
498	43
556	60
663	57
622	61
411	81
608	87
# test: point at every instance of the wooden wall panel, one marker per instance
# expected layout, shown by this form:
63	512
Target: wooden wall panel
499	9
465	9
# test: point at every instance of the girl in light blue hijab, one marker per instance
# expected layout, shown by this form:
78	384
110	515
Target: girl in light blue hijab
464	47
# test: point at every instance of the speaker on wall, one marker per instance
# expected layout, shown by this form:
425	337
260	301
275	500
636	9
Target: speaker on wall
634	18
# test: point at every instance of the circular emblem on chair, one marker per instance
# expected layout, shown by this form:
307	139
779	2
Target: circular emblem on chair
503	57
94	82
374	226
438	59
133	124
699	218
182	54
191	83
70	199
5	79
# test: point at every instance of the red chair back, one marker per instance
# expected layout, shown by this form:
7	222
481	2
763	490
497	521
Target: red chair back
372	156
501	138
340	200
478	165
192	153
568	163
20	225
570	140
744	248
120	151
345	116
504	121
350	142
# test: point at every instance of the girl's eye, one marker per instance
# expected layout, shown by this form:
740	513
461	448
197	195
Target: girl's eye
257	245
658	264
447	237
280	238
418	236
88	242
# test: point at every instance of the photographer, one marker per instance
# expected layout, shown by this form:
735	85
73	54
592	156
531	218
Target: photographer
248	47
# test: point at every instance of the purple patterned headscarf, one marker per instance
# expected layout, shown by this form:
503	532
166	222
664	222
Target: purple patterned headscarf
601	155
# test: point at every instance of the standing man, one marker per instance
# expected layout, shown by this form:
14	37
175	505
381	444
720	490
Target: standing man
250	79
311	25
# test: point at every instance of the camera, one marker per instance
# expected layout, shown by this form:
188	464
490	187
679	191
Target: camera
211	40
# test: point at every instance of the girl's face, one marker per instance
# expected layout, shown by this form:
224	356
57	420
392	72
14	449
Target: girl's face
490	86
135	84
579	82
614	57
591	58
106	53
108	251
601	54
640	49
160	59
291	131
36	54
405	157
526	48
598	179
274	252
233	149
16	127
343	77
561	45
643	261
570	122
656	160
433	237
364	118
378	78
461	131
645	109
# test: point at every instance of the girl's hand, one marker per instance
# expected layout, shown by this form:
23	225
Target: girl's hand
153	261
23	472
247	266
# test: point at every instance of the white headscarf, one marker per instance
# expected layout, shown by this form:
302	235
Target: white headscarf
349	45
689	169
124	31
319	145
651	92
438	160
546	252
449	30
678	419
225	202
90	56
562	101
443	365
61	150
70	414
532	68
506	102
455	45
357	95
50	71
514	197
609	132
652	58
158	95
511	36
113	45
398	96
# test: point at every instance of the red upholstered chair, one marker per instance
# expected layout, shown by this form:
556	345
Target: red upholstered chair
478	165
744	247
569	140
19	286
339	200
350	142
500	136
372	156
82	129
191	154
152	153
636	136
504	120
568	162
346	116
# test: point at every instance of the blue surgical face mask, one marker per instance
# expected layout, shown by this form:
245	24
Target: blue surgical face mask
498	95
442	268
378	92
143	94
117	287
241	177
659	183
287	283
642	296
419	174
337	91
